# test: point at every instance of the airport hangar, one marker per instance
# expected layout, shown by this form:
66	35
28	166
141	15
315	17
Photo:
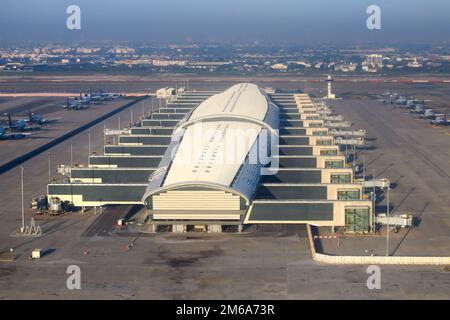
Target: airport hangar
313	184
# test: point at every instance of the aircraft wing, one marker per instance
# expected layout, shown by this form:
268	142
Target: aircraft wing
52	120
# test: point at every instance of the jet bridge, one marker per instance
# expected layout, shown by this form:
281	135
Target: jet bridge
349	141
341	124
347	133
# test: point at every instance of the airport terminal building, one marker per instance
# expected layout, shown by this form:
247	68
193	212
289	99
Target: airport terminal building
237	157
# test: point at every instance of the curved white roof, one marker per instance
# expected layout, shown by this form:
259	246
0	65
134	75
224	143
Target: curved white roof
244	99
212	152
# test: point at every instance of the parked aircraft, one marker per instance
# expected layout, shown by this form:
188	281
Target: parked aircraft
19	125
75	105
441	120
39	119
8	136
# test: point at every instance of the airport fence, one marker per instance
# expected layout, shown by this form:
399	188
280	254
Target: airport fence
373	260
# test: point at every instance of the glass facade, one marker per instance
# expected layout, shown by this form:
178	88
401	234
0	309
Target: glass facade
328	152
341	178
357	219
348	195
334	164
323	142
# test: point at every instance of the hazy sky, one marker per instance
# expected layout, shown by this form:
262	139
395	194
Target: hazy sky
297	21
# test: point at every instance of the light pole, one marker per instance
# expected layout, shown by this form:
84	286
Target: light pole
364	173
22	229
89	141
131	116
346	155
71	161
388	224
49	167
373	193
71	153
119	122
354	156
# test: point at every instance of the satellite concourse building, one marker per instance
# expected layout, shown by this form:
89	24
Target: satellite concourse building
175	164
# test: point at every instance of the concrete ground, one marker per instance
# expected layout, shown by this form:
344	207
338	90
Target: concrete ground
67	121
262	265
272	263
415	157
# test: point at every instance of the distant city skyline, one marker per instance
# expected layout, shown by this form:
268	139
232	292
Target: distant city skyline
233	21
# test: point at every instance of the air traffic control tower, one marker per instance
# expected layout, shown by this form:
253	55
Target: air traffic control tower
173	163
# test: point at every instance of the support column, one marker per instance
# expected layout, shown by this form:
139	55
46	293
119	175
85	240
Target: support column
214	228
179	228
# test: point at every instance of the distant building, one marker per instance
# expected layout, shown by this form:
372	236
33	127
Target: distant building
60	50
374	60
165	93
373	63
88	50
279	66
345	67
304	64
415	64
208	64
318	65
122	50
168	63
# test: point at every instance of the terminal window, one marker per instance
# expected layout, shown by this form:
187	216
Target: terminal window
334	164
328	152
357	220
323	142
348	195
341	178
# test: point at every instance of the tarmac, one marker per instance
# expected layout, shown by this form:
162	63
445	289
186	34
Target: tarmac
66	121
270	263
415	157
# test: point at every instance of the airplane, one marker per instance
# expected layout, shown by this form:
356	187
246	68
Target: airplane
418	108
7	136
39	119
101	96
440	121
384	100
392	98
427	114
75	105
19	125
86	99
400	101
